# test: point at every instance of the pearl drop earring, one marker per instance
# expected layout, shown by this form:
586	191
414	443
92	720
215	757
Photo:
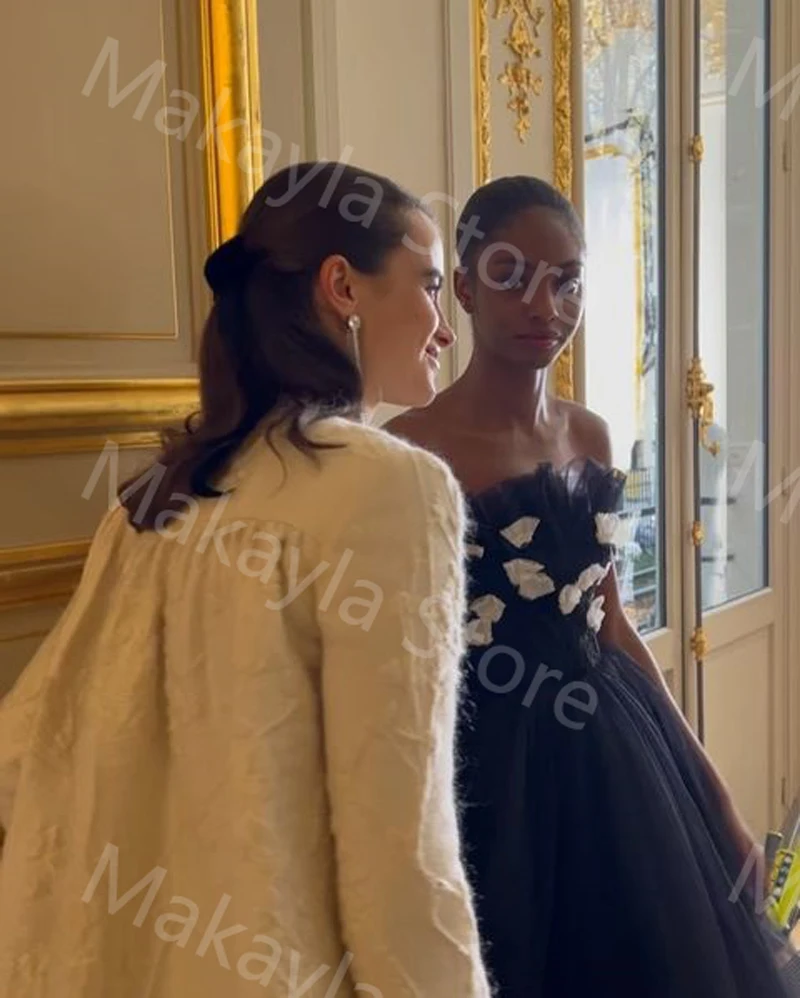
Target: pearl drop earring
353	331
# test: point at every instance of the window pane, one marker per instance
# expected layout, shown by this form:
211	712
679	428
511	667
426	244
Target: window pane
732	294
623	154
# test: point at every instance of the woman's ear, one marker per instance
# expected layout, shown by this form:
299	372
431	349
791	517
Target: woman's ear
463	289
336	286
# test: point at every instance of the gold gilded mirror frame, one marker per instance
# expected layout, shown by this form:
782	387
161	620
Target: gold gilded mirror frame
563	154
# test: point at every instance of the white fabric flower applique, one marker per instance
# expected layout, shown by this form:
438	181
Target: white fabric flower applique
592	575
595	615
488	610
521	531
571	595
608	528
530	578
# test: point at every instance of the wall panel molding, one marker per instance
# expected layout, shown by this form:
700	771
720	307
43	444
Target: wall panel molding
80	416
210	56
40	573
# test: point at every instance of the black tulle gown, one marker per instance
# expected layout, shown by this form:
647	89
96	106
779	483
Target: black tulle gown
600	862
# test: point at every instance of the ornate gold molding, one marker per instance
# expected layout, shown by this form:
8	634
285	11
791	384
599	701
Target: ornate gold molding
604	18
714	14
234	168
518	77
58	417
563	163
482	76
40	573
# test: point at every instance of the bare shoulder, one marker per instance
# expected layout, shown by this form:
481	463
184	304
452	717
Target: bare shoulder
409	425
589	432
426	428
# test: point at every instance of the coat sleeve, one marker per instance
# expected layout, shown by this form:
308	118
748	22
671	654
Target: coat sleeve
391	663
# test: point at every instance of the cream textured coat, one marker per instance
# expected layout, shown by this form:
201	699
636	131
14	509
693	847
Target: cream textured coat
229	770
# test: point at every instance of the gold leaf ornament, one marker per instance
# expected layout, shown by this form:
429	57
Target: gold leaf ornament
520	79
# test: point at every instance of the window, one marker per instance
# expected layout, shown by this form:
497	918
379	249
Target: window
622	170
732	289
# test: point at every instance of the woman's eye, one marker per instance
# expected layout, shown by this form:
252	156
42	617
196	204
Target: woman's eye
434	290
511	283
572	286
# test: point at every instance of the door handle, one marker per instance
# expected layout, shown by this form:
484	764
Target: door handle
700	399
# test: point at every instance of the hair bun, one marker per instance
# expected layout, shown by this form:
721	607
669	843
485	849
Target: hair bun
230	265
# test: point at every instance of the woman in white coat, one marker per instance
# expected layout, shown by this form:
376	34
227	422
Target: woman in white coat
229	769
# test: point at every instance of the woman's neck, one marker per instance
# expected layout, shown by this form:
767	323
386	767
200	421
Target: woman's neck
505	395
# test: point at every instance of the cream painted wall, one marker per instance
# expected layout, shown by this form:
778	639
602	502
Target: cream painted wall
393	114
104	229
390	86
284	63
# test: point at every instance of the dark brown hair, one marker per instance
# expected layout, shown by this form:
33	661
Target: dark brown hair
264	353
495	204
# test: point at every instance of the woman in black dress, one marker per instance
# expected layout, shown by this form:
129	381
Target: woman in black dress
604	847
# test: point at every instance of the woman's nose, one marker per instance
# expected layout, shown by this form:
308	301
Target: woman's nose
544	303
445	336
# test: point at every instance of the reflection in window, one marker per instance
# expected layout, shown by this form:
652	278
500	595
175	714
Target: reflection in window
622	88
732	293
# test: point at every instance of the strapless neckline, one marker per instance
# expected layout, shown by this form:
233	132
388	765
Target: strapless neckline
575	469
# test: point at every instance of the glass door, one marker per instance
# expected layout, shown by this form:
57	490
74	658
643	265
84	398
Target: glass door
623	341
728	392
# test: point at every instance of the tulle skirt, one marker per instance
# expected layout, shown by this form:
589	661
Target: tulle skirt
600	859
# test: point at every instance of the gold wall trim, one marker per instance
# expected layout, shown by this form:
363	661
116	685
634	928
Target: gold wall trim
40	573
57	417
482	76
518	77
563	163
89	443
234	168
88	335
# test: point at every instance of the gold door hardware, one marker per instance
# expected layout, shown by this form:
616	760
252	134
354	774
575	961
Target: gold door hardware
696	148
699	398
699	644
698	534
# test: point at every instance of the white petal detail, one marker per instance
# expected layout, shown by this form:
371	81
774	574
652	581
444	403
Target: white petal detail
488	607
595	615
568	599
591	576
521	531
479	632
474	551
488	610
608	527
530	578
